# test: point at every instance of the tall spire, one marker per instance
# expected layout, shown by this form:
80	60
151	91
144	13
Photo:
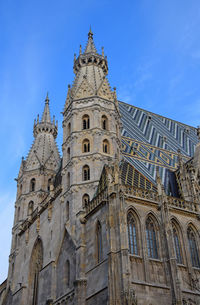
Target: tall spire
46	118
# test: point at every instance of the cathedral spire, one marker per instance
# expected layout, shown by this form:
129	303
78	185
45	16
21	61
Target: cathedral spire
46	118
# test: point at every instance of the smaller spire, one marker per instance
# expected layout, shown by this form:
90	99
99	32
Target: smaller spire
46	118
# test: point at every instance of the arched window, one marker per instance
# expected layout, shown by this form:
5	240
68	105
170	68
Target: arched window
132	234
86	121
36	263
67	273
49	184
193	248
68	154
106	147
86	146
85	200
99	242
151	239
86	173
32	185
69	129
67	210
177	244
30	207
68	180
104	122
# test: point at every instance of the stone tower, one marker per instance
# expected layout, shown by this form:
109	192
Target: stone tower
34	183
91	139
91	126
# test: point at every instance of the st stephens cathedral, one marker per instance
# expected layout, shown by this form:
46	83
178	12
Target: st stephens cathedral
115	220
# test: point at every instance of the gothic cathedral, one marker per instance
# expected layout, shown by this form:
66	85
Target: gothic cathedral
115	220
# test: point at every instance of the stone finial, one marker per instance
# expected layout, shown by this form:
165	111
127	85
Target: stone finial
80	50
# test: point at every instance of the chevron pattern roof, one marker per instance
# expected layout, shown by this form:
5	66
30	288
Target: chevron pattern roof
149	139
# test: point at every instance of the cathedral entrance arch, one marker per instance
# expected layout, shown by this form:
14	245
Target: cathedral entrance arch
35	267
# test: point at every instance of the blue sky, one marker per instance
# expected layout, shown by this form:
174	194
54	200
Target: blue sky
153	50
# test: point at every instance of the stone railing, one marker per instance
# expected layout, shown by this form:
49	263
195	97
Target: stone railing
91	205
182	204
140	193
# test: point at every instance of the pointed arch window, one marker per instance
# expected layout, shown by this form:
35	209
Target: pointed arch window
132	234
32	185
106	147
86	173
177	245
193	248
99	242
30	207
35	267
86	122
152	247
86	146
104	122
85	200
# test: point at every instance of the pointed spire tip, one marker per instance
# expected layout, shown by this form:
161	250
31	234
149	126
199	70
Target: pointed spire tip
47	98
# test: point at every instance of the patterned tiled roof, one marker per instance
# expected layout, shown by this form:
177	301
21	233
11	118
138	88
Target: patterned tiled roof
150	140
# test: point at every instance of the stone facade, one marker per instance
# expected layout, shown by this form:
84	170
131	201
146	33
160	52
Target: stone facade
83	234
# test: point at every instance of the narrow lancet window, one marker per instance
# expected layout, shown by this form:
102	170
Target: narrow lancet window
132	234
152	248
32	185
177	245
193	248
86	122
86	173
